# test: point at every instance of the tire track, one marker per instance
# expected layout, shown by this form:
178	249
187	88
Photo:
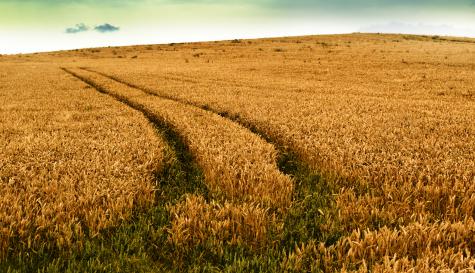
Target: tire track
183	172
289	162
234	118
313	214
249	196
239	166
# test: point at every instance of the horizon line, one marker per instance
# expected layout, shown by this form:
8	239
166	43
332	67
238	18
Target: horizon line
238	38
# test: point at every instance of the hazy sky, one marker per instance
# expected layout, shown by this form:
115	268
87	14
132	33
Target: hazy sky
43	25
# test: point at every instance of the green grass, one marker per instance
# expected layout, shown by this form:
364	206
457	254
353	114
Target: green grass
312	216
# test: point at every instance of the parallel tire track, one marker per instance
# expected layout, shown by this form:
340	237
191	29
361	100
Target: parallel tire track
184	159
250	196
238	165
313	198
285	154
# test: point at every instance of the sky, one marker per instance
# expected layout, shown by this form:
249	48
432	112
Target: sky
47	25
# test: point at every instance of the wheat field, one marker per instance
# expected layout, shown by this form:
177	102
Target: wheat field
338	153
72	162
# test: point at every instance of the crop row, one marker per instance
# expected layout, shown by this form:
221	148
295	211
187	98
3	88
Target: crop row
72	162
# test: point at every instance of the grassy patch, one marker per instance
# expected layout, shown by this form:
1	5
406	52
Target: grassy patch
313	212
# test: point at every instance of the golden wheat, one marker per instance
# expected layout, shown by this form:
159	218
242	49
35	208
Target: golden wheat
387	118
390	117
72	161
195	222
395	118
440	247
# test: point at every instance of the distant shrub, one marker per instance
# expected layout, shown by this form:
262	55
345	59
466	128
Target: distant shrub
279	50
323	44
236	41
